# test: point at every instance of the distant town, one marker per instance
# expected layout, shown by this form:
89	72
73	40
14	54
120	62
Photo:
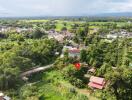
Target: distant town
76	58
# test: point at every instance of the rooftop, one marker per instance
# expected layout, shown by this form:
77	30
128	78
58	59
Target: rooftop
74	51
97	80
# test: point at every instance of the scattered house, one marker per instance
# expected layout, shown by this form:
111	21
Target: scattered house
74	52
4	28
67	35
121	34
92	70
4	97
64	49
19	30
56	35
59	36
96	82
111	36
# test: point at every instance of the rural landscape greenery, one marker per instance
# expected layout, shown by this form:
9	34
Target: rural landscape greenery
104	44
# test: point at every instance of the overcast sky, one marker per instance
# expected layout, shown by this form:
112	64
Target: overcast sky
62	7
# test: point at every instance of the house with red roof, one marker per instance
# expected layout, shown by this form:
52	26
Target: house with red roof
74	52
97	82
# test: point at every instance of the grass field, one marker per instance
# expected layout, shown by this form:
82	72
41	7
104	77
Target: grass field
101	23
52	86
31	21
60	24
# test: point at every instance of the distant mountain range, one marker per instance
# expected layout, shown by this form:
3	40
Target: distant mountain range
117	14
120	14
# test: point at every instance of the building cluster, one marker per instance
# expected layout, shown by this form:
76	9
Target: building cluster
19	30
59	36
4	29
120	34
72	51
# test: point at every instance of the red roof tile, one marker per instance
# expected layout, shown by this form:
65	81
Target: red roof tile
94	85
74	51
97	80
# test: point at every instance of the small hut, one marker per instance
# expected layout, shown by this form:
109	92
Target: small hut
91	70
96	82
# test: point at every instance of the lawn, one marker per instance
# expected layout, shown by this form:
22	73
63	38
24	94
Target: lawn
60	25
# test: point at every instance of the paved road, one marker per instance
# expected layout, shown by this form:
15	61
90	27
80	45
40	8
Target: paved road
35	70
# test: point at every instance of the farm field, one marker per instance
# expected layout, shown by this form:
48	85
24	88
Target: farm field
60	23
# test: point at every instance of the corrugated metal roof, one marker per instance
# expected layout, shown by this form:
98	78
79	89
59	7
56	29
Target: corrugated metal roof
94	85
97	80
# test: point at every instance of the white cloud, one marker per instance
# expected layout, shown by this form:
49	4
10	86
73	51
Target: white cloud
2	9
63	7
120	6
